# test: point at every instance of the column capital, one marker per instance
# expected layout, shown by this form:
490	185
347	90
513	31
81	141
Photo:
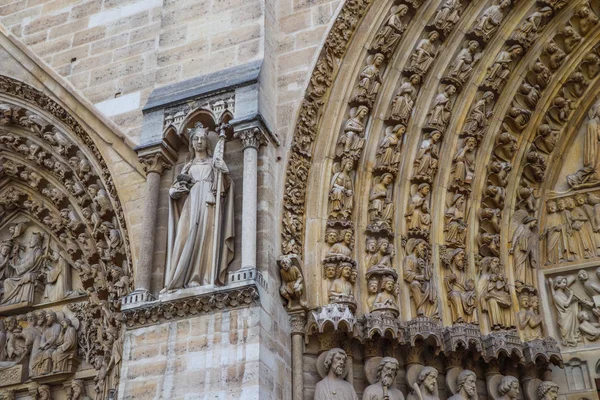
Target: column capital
251	137
298	323
156	157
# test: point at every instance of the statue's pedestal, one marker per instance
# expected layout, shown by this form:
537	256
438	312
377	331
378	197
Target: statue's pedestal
12	374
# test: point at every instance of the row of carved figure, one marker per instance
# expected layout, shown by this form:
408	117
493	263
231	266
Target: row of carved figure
333	385
45	344
75	391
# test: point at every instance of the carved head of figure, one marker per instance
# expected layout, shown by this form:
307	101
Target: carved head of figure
383	244
570	203
583	275
524	301
561	204
435	136
450	89
36	240
424	189
388	284
551	207
285	262
65	324
547	391
509	387
347	165
44	392
335	362
581	199
330	271
372	286
387	371
433	36
40	317
77	389
371	245
458	258
473	45
50	318
346	270
420	249
199	139
353	275
466	383
534	302
470	143
331	236
378	59
361	112
387	178
348	237
583	316
560	283
30	318
427	380
415	80
5	248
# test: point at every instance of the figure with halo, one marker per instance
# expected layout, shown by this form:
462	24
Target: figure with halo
333	385
201	220
384	387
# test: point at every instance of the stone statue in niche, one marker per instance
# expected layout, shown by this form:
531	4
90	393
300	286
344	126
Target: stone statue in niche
77	391
341	192
388	151
386	298
589	175
460	288
494	295
571	39
477	122
341	290
567	308
555	235
466	388
508	388
418	275
463	166
447	15
570	248
424	54
333	384
441	111
389	35
589	330
381	206
455	228
385	388
426	162
461	68
587	18
425	388
528	31
352	140
403	103
418	218
292	281
582	230
528	318
24	269
489	21
523	247
369	81
547	391
196	232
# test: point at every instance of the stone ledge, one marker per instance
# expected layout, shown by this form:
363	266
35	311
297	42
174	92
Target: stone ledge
182	305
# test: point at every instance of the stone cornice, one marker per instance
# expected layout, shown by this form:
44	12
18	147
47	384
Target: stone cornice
206	303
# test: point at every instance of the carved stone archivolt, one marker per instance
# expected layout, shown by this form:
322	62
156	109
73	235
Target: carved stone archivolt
65	261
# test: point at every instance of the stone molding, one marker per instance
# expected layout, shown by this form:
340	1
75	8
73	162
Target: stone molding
218	301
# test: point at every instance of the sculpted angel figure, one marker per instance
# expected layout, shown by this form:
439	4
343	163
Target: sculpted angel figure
440	113
424	53
490	20
192	218
589	175
403	103
479	115
529	321
389	35
587	18
571	39
526	33
464	63
352	140
341	192
554	235
582	232
426	162
388	151
369	80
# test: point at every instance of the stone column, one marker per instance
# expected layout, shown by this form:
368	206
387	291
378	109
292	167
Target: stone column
298	322
155	162
250	138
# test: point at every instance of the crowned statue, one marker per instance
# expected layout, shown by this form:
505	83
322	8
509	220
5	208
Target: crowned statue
201	224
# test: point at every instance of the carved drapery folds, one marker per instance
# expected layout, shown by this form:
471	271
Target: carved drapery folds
63	247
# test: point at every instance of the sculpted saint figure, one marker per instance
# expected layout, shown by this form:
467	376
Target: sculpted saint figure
464	63
66	346
455	228
21	287
388	151
193	222
49	341
465	386
547	391
389	35
424	54
403	103
344	246
341	193
341	288
461	289
333	386
528	318
495	295
554	234
425	388
582	230
384	388
523	245
478	118
587	18
78	391
508	389
418	275
426	162
463	165
292	281
490	20
589	175
526	33
567	308
440	113
590	288
351	141
369	80
387	297
417	214
58	278
381	206
448	15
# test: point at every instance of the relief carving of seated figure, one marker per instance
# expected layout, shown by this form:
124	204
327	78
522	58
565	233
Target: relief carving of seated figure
21	287
386	299
42	362
589	330
66	347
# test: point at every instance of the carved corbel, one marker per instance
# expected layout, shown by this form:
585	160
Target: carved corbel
155	163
